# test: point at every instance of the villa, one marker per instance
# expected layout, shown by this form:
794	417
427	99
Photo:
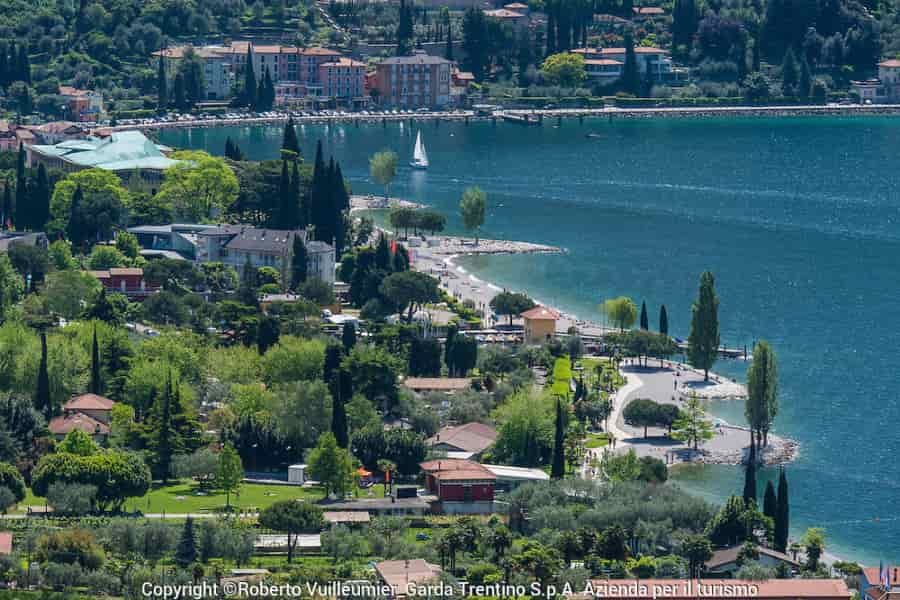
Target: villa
236	245
540	324
137	160
461	486
883	89
606	64
82	105
128	281
463	441
89	413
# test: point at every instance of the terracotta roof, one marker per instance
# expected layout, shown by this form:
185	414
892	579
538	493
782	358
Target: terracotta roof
64	424
892	63
502	13
319	51
471	437
540	313
637	50
123	271
438	383
730	555
464	475
455	469
6	539
464	75
516	6
449	464
345	516
89	402
771	589
648	10
873	575
343	62
400	573
602	61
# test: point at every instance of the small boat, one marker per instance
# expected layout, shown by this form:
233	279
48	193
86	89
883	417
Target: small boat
592	135
420	157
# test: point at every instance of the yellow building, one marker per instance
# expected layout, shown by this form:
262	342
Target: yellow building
540	324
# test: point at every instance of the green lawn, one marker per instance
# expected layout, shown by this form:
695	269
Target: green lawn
597	440
186	497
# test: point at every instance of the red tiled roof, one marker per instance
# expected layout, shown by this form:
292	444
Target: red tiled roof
648	10
540	313
891	63
471	437
602	61
455	469
438	383
6	539
319	51
344	62
64	424
89	402
464	475
502	13
400	573
874	576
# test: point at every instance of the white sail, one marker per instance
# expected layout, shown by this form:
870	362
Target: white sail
420	156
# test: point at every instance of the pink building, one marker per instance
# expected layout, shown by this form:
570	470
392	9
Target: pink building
342	78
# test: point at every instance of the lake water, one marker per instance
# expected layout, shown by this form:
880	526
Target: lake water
799	220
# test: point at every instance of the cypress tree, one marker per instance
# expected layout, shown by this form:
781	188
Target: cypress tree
558	468
179	99
96	383
75	229
339	203
284	185
4	66
703	341
41	199
805	83
229	148
23	65
663	320
297	217
782	514
448	51
247	292
645	323
318	191
383	254
249	80
348	337
162	91
298	262
790	73
338	413
631	79
42	393
164	434
770	501
289	140
267	333
750	474
7	205
21	202
186	553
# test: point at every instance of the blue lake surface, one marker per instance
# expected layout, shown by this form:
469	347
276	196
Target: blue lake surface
798	218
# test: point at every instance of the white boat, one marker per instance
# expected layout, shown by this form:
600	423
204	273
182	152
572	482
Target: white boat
420	157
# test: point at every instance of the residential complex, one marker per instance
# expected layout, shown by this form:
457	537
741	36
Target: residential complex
130	154
415	81
298	73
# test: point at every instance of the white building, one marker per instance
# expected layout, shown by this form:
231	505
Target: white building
606	64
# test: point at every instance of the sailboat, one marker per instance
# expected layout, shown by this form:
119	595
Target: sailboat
420	157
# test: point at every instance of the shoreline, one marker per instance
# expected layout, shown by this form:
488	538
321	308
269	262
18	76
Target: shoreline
517	114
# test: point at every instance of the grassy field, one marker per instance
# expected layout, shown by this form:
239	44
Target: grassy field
597	440
186	497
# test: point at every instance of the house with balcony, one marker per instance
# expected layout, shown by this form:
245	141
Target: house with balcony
605	65
461	486
127	281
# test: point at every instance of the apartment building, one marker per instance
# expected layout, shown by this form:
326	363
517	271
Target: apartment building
296	72
417	81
